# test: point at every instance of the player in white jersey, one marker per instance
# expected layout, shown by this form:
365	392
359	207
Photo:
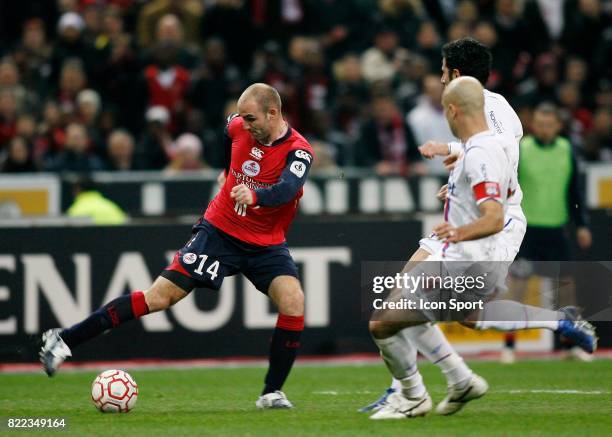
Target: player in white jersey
469	57
474	214
503	121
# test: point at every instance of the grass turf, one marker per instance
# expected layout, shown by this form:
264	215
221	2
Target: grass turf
526	398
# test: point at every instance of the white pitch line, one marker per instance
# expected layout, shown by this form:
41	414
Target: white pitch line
336	393
562	392
512	392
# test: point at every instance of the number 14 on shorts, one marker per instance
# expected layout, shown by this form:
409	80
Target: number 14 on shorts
212	269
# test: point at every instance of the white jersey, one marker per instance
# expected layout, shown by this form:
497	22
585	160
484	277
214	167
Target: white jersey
502	120
481	173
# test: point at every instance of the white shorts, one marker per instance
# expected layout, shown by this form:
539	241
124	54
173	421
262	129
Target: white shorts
511	237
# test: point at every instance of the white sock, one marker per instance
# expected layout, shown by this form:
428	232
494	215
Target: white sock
396	384
431	342
400	357
508	315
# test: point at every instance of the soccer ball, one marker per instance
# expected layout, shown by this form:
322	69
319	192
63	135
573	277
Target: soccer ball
114	391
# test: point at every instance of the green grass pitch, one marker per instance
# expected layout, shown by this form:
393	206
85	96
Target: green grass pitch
528	398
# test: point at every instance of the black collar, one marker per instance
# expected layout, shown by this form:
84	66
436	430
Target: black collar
281	139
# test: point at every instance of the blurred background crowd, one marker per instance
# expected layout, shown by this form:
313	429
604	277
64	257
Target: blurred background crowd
124	85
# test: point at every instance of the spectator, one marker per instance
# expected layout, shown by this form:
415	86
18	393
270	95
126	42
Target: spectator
542	86
325	162
93	18
169	31
154	147
384	143
428	43
51	135
18	158
122	85
378	63
32	55
214	25
76	157
10	81
427	121
187	155
217	82
70	44
336	144
271	67
467	13
88	113
314	86
598	144
121	151
167	84
545	20
8	117
187	11
25	127
583	27
349	96
457	30
72	81
406	83
577	118
88	202
400	17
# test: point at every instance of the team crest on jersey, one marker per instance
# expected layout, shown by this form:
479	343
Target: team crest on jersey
190	258
251	168
256	153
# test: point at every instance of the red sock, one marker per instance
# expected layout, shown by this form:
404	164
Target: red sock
283	350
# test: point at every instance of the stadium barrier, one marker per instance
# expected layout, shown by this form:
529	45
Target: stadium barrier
55	276
337	192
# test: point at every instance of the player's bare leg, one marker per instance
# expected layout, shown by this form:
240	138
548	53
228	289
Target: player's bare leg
286	292
58	344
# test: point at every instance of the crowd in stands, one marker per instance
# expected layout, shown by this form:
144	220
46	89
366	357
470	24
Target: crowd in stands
122	85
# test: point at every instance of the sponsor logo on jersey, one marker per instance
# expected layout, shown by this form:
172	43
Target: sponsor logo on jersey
497	125
301	154
298	168
256	153
251	168
190	258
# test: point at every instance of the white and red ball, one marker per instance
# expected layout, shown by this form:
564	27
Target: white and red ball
114	391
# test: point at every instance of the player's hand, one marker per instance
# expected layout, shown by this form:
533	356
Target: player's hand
450	161
432	149
445	231
442	193
242	194
585	239
221	178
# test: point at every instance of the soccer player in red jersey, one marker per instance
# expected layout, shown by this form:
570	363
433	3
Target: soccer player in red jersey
242	231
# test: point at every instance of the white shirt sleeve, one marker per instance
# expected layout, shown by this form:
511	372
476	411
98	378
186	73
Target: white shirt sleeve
501	118
483	173
454	147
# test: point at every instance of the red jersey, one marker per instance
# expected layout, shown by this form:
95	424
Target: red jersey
257	166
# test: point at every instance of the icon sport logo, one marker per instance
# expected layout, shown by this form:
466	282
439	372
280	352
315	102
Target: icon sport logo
256	153
250	168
